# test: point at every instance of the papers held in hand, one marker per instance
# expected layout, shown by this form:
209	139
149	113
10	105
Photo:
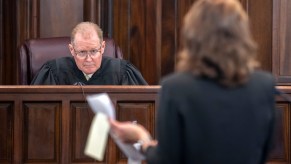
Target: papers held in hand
101	103
97	137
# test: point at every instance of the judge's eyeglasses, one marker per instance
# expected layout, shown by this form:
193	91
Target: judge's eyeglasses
94	53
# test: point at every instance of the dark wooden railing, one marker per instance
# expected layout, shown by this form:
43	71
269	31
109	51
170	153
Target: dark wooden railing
49	124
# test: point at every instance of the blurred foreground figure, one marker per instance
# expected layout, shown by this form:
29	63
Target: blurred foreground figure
217	108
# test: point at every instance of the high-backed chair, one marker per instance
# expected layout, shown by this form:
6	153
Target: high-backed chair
35	52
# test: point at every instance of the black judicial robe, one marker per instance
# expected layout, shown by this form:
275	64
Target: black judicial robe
64	71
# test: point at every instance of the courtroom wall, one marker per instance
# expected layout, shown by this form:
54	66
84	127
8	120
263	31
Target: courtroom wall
147	31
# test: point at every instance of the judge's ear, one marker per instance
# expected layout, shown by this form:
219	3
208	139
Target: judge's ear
71	49
103	45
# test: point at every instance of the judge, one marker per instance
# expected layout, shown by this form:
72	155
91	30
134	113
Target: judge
87	66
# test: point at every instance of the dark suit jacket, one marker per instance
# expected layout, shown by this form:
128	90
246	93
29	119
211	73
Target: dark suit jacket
202	122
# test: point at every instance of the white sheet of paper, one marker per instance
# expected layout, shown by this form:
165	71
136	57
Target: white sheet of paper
101	103
128	149
97	138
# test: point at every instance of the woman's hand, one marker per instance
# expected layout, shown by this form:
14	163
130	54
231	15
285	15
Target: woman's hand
128	131
132	133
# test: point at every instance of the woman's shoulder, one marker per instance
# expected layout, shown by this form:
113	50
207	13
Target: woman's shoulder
186	79
260	76
262	79
179	79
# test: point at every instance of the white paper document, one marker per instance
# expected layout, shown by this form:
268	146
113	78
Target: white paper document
97	138
101	103
128	149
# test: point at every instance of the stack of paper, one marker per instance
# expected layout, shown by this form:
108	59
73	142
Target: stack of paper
98	134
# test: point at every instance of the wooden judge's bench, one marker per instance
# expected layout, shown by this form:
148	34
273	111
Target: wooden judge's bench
50	124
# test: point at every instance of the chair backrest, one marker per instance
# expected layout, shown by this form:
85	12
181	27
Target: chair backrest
35	52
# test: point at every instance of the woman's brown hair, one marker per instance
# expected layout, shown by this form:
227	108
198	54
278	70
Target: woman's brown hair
216	42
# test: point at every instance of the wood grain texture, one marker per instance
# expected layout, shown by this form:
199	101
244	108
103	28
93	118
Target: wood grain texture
6	120
58	118
280	151
8	39
135	31
41	132
57	18
260	13
147	31
281	38
50	124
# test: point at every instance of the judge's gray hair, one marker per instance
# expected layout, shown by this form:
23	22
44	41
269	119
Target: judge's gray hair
87	29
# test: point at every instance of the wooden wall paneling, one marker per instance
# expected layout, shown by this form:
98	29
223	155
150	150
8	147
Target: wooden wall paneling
27	20
103	14
182	7
65	131
260	13
281	39
42	132
8	43
173	13
27	26
6	126
105	17
91	12
140	31
135	32
100	12
281	152
158	41
1	40
81	116
50	125
121	20
18	116
150	61
169	38
57	18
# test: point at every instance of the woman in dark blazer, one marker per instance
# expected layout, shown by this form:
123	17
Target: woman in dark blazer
217	108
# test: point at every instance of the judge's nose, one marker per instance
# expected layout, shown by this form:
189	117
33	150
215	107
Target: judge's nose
88	57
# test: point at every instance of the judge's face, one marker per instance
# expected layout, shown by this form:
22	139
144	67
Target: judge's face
87	51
